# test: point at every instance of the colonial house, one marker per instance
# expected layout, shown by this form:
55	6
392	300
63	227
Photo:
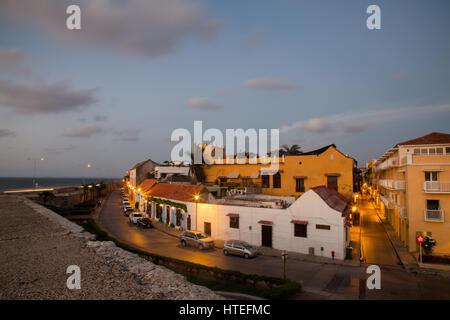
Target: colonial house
316	223
141	171
412	187
296	174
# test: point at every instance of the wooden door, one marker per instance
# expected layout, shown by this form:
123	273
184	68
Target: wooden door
266	236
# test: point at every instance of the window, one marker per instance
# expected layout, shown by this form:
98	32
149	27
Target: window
431	176
323	227
277	180
440	151
246	182
447	150
416	152
432	151
300	230
424	152
332	182
234	222
433	205
223	181
265	181
299	185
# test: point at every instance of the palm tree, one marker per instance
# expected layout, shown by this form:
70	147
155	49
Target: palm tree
196	169
290	151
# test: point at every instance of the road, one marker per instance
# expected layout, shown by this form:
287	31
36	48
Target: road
376	246
328	280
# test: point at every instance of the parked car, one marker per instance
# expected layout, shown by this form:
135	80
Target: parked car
239	248
127	211
196	239
145	223
127	207
135	216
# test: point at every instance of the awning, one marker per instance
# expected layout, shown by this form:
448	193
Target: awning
299	222
332	174
265	222
233	215
300	177
233	175
255	175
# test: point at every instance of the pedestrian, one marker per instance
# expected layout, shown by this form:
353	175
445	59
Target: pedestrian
332	255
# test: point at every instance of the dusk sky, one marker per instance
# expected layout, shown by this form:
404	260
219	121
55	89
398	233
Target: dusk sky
111	93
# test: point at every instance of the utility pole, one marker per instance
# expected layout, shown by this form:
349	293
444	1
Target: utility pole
284	256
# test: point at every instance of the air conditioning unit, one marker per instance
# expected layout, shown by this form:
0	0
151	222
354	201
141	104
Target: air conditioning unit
311	251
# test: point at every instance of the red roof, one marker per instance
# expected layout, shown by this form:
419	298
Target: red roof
147	184
233	215
333	199
265	222
432	138
180	192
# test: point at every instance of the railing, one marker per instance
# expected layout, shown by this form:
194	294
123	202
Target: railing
434	215
387	203
437	186
403	212
393	184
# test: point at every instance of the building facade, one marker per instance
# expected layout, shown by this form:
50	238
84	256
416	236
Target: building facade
412	188
141	171
296	174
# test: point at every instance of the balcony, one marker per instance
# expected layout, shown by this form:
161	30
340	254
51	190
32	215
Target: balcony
393	184
387	203
436	186
403	212
434	215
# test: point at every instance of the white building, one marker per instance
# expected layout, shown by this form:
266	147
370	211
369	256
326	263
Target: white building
316	223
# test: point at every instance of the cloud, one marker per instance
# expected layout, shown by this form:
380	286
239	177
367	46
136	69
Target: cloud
203	104
146	28
267	84
317	125
58	150
99	118
39	98
4	133
83	132
129	135
10	57
358	122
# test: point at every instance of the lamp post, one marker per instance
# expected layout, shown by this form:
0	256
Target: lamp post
34	171
84	172
196	205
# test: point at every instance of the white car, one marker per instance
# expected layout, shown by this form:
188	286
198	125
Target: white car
135	216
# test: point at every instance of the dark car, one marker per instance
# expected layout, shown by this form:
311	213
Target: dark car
145	223
127	212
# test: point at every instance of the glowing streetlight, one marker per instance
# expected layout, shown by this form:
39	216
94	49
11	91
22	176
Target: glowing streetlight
196	197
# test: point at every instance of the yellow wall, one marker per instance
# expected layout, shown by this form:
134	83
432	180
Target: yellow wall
313	167
416	199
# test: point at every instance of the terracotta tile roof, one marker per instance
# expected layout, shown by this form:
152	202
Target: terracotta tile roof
180	192
147	184
432	138
333	199
318	151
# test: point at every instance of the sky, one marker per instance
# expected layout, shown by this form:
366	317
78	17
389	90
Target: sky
111	93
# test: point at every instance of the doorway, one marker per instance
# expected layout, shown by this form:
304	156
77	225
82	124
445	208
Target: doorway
207	228
266	236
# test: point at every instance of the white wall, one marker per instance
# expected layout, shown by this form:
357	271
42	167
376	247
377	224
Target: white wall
309	207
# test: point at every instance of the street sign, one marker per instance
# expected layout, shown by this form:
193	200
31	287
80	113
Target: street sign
420	238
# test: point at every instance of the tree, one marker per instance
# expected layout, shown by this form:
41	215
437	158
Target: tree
290	151
196	169
428	244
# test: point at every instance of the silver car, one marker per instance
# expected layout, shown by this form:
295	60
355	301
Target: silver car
239	248
196	239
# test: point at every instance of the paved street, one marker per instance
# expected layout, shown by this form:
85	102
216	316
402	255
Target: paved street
376	246
329	280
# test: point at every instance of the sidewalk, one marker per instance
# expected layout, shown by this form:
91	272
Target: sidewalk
270	252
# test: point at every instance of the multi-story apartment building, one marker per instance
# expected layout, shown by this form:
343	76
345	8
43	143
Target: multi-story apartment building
295	175
412	182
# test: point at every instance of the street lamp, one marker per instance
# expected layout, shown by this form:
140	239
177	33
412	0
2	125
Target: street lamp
84	171
196	205
34	171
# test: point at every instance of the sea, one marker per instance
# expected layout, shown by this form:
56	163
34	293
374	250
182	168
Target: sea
27	183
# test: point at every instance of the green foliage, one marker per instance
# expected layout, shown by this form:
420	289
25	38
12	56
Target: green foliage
79	209
428	244
181	206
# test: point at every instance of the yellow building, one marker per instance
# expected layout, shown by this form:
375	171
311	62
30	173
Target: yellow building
297	173
413	185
